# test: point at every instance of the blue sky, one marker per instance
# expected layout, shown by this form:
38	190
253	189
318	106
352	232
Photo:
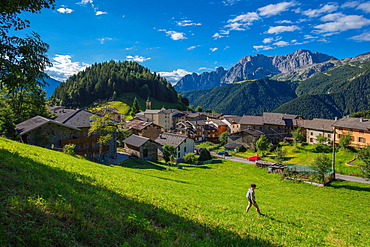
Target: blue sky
180	37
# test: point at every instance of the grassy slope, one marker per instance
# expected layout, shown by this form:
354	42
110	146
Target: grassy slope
124	103
50	199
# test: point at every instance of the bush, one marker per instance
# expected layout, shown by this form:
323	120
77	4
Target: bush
69	149
190	158
204	155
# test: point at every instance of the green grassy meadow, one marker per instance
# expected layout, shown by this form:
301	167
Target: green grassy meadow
305	155
48	198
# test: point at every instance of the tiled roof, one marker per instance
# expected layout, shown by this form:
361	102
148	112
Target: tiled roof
353	123
197	122
232	119
319	124
217	122
252	132
78	118
137	124
251	120
35	122
179	114
136	141
279	119
170	139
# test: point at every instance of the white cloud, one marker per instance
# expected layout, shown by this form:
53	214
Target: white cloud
246	18
102	40
350	4
267	40
328	8
213	49
63	67
137	58
175	75
339	22
174	35
281	29
365	7
262	47
308	36
275	9
65	10
204	68
239	23
362	37
284	22
185	23
100	12
217	36
85	2
230	2
281	43
192	47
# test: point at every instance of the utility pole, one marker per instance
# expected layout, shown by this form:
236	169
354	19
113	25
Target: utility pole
333	155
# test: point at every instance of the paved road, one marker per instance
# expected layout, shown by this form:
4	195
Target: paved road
352	178
232	158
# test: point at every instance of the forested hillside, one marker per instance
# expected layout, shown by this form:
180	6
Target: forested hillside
332	80
349	98
109	80
249	97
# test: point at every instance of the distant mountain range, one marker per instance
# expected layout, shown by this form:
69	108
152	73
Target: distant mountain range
53	84
327	89
251	67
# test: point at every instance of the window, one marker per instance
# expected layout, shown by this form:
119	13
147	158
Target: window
178	155
184	149
178	148
329	135
312	133
361	139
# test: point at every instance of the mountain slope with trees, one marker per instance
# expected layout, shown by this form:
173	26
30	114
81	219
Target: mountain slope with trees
248	97
110	80
340	95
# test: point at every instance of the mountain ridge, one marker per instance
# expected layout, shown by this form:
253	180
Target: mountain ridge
252	67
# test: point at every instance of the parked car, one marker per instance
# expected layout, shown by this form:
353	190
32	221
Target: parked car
223	153
253	158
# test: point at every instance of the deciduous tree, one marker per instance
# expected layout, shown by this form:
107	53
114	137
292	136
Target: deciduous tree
321	165
104	128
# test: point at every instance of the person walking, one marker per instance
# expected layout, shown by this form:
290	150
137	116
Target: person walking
252	200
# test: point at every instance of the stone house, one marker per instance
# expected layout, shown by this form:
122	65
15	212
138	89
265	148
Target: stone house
141	147
69	128
144	129
183	144
277	126
247	138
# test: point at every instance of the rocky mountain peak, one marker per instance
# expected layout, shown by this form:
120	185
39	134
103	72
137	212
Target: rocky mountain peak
252	67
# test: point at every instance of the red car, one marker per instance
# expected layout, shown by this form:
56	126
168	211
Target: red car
253	158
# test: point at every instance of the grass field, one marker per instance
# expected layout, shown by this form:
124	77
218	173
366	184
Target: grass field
50	199
305	155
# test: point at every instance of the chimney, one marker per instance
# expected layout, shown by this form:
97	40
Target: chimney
336	118
361	119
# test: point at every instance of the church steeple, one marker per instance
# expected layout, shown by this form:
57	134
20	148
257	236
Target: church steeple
148	104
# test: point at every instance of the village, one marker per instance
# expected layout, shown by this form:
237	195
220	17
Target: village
151	129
